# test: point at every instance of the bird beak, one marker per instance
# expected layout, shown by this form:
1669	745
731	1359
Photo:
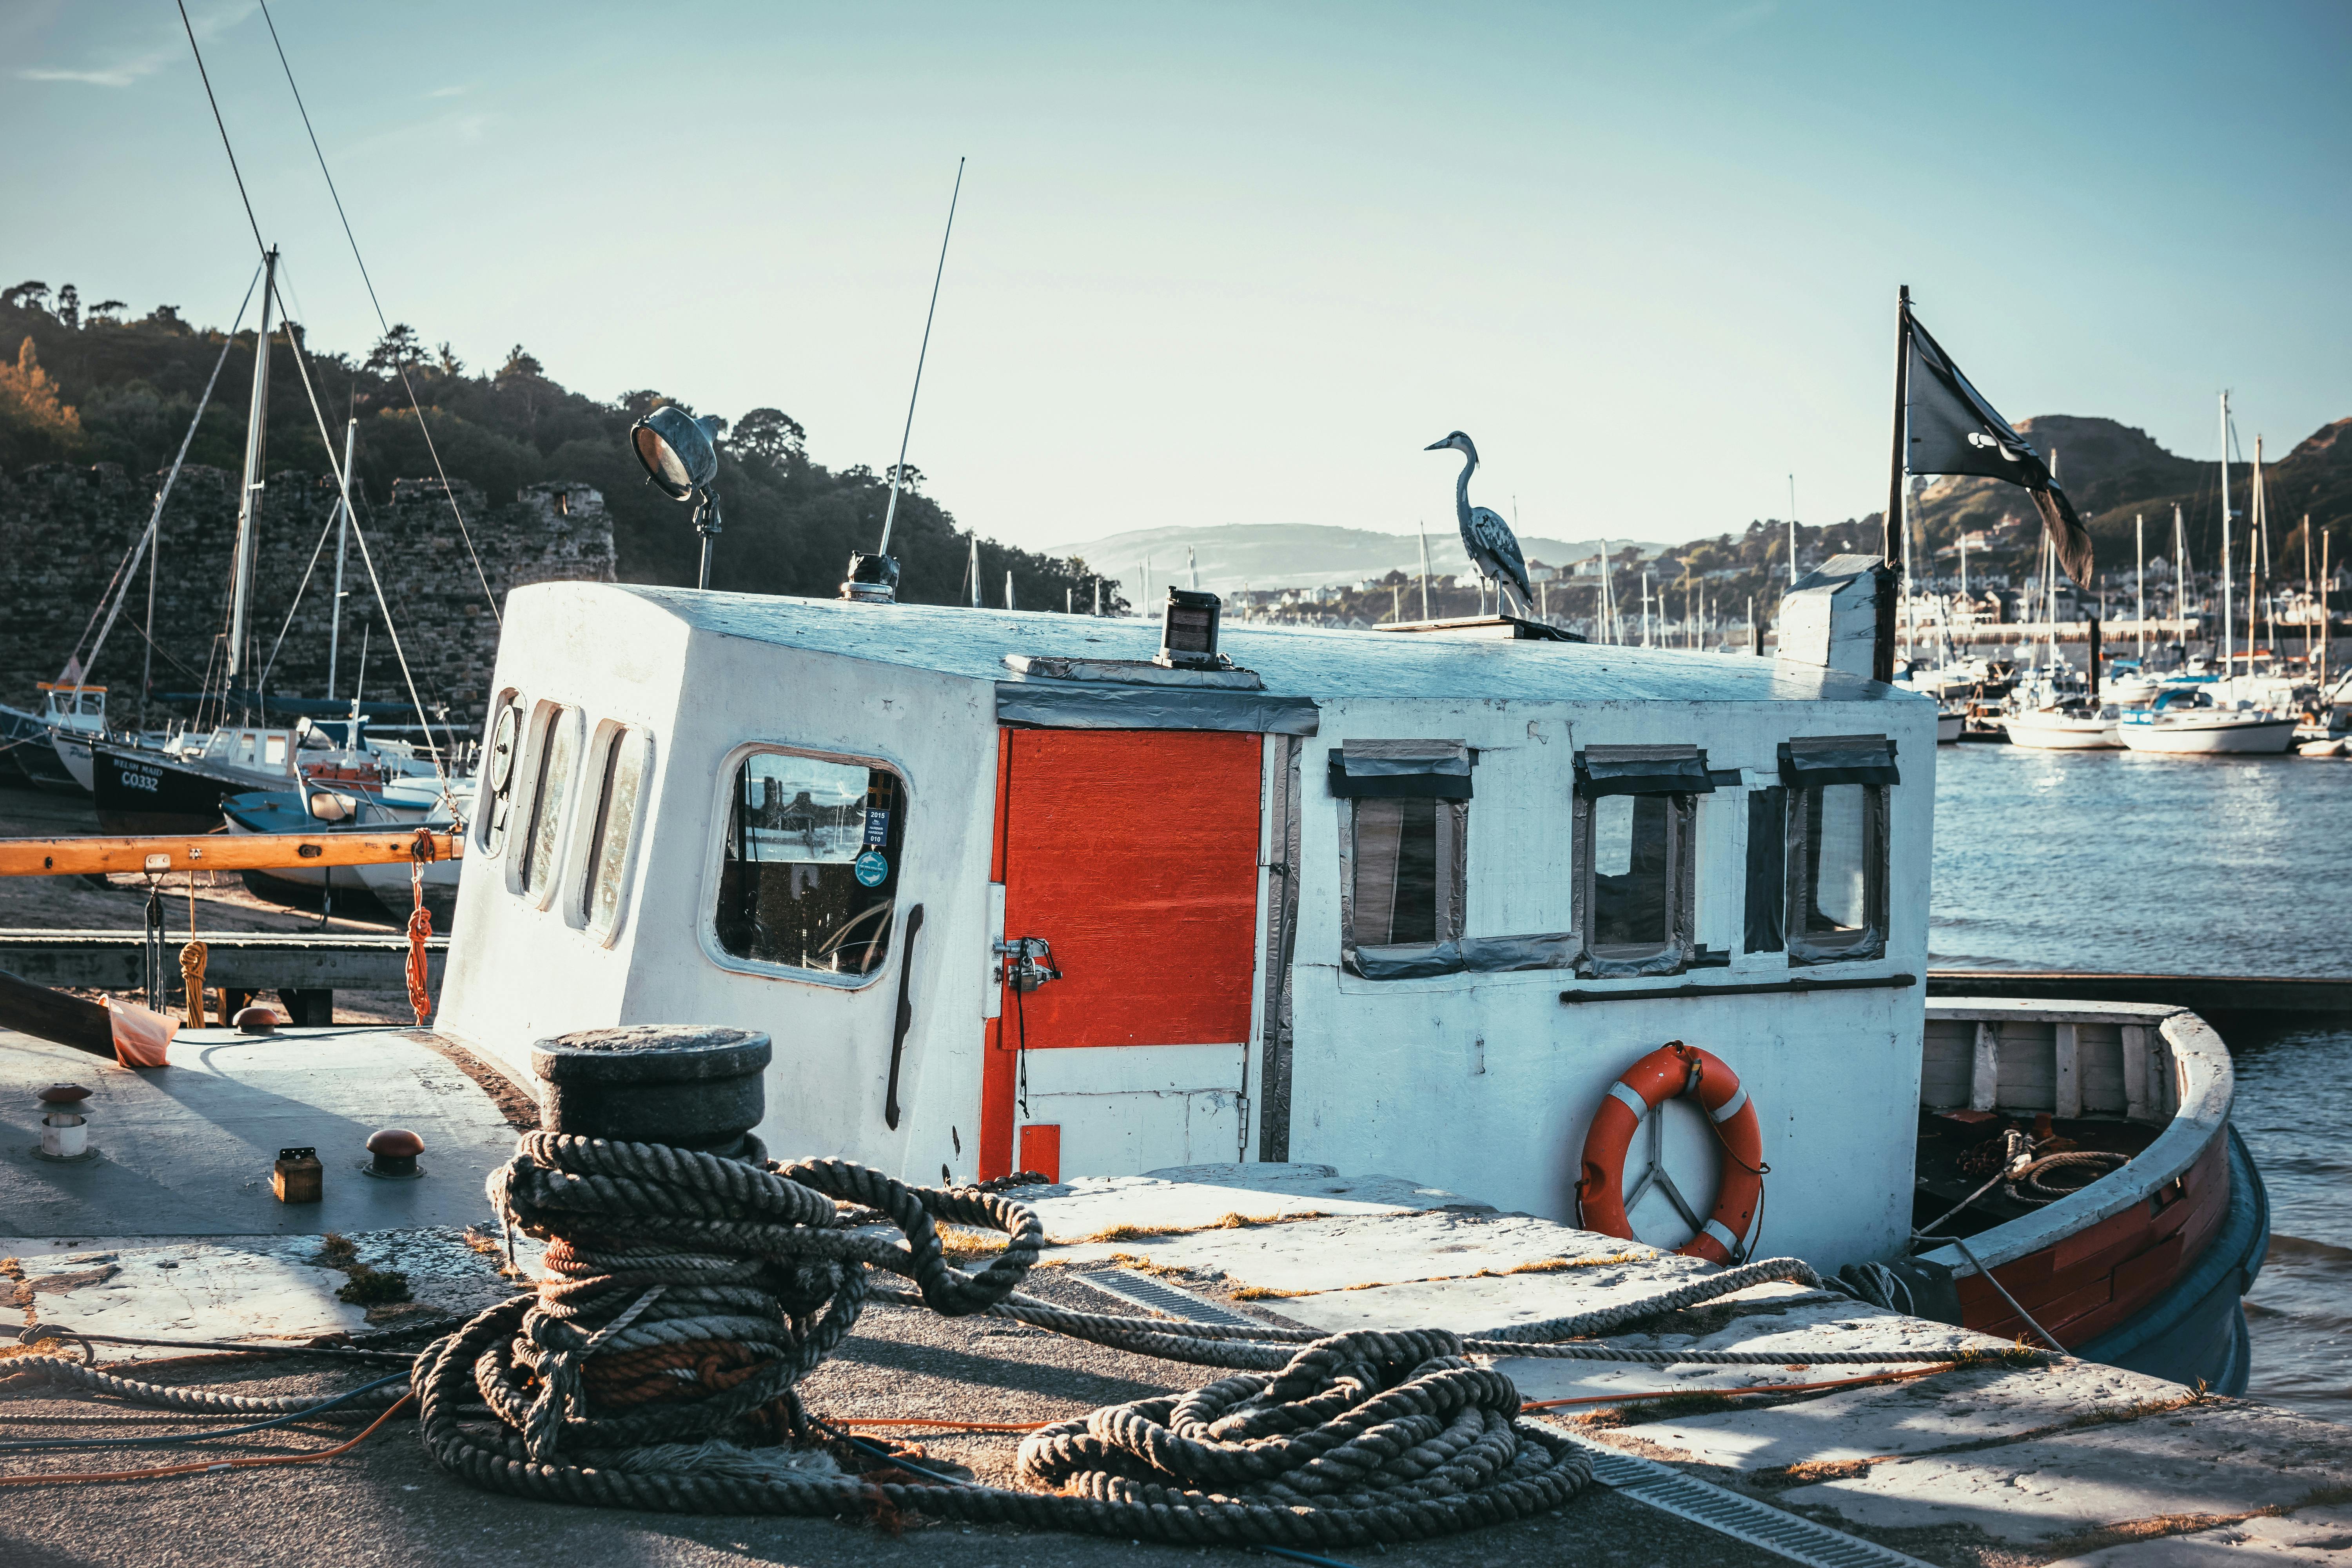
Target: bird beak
1437	446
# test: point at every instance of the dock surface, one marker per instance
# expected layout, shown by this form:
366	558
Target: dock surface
1985	1467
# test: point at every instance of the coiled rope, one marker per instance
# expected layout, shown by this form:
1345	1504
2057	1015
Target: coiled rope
689	1295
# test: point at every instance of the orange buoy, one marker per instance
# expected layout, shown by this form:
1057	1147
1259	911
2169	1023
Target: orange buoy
1673	1069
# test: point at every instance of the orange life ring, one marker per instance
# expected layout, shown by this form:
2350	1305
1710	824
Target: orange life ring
1676	1068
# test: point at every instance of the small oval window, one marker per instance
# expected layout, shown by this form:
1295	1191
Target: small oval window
542	837
614	832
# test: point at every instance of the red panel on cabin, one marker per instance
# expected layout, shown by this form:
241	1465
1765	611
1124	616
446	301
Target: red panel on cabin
1135	854
1041	1149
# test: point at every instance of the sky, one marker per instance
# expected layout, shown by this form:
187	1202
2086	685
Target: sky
1240	264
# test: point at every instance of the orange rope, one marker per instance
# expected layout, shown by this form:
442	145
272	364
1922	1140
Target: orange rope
203	1465
420	928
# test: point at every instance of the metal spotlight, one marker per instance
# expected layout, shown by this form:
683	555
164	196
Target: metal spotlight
681	458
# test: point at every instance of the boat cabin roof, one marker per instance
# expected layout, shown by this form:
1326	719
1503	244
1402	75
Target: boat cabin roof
1324	663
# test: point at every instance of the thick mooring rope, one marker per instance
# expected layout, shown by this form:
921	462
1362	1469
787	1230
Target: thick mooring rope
689	1295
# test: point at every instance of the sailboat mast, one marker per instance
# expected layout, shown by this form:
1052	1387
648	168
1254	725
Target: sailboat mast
2257	538
343	537
1423	527
2139	597
2180	578
250	495
2226	605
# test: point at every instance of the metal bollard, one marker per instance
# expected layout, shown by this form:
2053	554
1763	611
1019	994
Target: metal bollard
688	1085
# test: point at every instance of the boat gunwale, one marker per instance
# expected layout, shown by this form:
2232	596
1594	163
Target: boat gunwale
2207	1084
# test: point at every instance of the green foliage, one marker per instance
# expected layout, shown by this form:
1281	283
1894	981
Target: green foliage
94	387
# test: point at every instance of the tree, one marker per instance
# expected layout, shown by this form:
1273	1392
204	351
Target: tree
914	477
25	297
397	349
108	309
772	435
520	361
70	306
450	364
34	422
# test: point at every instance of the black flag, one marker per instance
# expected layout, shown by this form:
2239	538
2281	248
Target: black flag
1953	430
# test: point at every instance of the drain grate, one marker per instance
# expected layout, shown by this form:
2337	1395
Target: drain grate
1159	1296
1729	1513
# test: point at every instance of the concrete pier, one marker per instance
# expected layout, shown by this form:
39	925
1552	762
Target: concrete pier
172	1233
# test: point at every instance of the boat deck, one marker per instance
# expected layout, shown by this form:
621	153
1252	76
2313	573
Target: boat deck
172	1232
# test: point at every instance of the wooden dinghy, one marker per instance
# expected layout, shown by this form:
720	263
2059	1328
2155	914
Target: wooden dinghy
2141	1266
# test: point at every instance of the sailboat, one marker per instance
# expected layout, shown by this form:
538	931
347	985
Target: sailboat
2211	718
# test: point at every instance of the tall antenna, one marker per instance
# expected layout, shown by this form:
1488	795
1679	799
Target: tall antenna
898	474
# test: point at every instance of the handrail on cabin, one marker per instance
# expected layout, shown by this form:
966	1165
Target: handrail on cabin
159	853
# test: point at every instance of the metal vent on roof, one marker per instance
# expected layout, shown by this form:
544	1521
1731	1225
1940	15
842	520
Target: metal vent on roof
1159	1296
1726	1512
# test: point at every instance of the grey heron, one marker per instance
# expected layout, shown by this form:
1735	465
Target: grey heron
1494	548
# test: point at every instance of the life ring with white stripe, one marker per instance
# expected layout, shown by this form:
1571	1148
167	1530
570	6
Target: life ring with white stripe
1671	1070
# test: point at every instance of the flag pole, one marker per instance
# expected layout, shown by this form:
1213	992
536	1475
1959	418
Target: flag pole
1883	661
1902	389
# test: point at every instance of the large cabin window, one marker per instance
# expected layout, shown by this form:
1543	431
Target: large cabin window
1636	818
1837	846
550	769
809	874
1406	807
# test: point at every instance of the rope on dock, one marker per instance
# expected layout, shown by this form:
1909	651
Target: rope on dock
1354	1438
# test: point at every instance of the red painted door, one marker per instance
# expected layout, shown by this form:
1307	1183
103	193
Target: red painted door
1133	852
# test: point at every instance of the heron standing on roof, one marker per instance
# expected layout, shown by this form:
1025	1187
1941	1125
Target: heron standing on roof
1494	548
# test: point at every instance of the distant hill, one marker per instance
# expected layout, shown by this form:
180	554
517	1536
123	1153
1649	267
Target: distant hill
1296	555
2115	473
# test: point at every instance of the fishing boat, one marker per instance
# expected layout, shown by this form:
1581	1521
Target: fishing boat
1402	873
73	716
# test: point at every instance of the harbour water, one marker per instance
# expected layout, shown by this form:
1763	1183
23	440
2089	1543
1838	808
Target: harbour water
2124	862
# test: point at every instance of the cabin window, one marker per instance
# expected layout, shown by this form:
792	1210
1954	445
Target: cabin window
273	750
1635	829
1836	845
809	874
500	754
613	835
549	769
1406	818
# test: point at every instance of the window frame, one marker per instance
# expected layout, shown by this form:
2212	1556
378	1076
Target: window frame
1874	779
1683	764
546	716
606	745
1448	789
714	864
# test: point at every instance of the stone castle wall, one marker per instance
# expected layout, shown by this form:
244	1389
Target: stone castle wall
64	529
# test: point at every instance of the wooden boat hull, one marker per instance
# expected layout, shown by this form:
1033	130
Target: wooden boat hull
147	792
2144	1267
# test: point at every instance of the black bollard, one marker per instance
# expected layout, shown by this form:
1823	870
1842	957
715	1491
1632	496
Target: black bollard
688	1085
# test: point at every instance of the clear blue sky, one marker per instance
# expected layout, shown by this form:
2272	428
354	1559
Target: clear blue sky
1239	264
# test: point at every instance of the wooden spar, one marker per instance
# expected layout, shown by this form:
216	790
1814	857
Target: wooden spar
221	852
54	1015
1883	659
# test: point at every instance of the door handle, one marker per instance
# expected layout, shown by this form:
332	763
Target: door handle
906	1016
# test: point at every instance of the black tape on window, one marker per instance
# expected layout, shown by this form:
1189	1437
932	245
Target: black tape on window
1643	770
1358	777
1768	859
1838	760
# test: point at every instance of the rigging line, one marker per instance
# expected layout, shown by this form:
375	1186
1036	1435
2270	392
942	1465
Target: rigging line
382	321
302	364
206	77
898	474
155	518
316	550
